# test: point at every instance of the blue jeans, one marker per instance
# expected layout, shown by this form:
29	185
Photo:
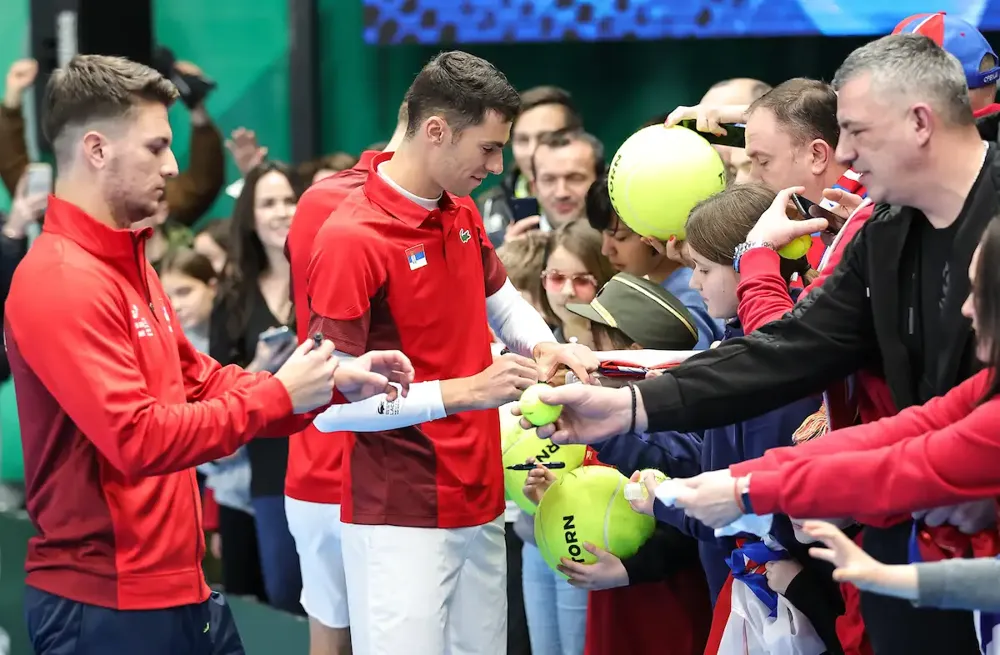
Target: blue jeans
59	626
556	611
279	561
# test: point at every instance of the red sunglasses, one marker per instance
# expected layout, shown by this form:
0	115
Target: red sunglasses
584	284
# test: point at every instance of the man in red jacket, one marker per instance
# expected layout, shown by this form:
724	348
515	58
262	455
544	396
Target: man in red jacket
116	406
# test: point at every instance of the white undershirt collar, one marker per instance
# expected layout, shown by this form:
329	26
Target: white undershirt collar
427	203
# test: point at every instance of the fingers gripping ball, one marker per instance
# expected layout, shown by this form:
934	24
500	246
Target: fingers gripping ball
797	249
533	409
518	445
657	177
637	490
589	504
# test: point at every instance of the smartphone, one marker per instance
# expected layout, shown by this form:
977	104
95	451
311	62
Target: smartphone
277	335
524	208
735	136
809	209
39	179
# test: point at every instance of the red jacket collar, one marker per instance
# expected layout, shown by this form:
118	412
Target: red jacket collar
394	203
65	219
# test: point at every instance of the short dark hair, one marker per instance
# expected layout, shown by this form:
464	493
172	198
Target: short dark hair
600	212
805	108
96	87
538	96
563	138
462	88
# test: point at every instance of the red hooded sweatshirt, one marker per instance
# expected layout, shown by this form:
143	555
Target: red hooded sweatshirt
116	409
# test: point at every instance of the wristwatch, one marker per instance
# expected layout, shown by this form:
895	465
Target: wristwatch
744	489
746	246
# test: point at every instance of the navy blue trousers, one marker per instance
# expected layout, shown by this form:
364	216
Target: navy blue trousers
59	626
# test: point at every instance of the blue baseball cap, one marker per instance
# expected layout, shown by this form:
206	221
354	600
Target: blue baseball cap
959	38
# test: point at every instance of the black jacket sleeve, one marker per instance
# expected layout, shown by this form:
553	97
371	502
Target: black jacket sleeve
664	554
827	336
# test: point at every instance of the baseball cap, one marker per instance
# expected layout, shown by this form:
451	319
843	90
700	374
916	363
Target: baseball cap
647	313
960	39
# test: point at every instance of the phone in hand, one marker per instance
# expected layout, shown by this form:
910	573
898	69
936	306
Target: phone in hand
735	136
522	208
38	179
809	209
277	336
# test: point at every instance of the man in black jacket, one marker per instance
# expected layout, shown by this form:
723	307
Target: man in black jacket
894	301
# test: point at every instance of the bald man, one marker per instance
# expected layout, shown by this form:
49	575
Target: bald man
735	91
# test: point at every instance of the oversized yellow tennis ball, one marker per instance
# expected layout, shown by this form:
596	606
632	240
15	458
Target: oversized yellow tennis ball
533	409
797	249
517	445
589	504
658	175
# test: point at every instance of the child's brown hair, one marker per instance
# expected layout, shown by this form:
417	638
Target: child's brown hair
524	259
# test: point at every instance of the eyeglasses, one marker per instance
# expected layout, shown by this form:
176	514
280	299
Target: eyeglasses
584	284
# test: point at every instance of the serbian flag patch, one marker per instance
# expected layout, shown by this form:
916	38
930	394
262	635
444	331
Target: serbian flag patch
415	257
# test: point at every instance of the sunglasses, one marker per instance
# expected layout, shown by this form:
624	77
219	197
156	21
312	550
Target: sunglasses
584	284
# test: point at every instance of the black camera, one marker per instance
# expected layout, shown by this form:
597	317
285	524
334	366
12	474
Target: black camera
193	88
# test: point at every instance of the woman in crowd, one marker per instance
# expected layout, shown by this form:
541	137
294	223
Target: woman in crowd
253	299
574	270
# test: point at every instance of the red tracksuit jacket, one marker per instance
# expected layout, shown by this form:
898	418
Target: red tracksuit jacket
116	407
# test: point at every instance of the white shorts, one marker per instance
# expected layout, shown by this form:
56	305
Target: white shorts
427	590
316	529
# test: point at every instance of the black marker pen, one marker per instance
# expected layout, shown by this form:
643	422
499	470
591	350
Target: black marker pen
528	467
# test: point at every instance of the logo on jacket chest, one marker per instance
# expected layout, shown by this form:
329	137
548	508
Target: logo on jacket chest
142	326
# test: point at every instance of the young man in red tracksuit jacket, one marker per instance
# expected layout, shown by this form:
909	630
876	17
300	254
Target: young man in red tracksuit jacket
116	406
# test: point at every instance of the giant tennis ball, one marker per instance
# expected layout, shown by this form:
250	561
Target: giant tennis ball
533	409
658	175
518	445
589	504
797	249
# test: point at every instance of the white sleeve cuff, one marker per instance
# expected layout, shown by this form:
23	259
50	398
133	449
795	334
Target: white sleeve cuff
422	404
516	323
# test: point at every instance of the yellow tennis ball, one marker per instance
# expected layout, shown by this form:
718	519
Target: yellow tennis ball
589	504
657	177
533	409
637	490
797	249
517	445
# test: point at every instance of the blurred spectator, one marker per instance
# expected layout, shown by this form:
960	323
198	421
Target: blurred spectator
188	196
13	153
24	211
524	260
313	171
543	109
254	297
563	167
736	91
213	242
